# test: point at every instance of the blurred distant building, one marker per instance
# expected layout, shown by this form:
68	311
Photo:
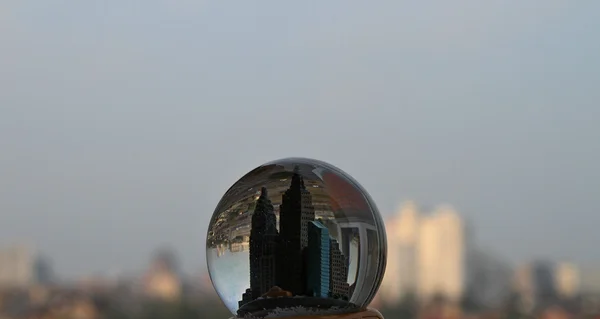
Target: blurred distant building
426	255
524	287
162	285
488	278
590	279
20	266
441	255
44	273
567	280
542	283
162	281
401	270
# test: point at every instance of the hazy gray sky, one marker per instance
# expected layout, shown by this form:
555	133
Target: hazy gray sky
121	124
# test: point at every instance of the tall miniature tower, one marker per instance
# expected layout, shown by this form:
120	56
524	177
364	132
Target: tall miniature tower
318	264
263	244
296	211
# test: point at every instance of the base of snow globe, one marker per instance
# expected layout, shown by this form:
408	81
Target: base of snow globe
301	314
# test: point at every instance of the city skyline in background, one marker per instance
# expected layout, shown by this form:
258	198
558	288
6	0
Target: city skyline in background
437	253
121	128
431	250
403	227
431	254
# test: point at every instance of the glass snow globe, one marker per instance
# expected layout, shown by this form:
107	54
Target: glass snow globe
296	237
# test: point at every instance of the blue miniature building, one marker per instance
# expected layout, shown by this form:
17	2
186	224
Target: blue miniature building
317	266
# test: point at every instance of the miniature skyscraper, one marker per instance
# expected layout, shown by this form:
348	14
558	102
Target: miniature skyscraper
295	213
318	266
263	244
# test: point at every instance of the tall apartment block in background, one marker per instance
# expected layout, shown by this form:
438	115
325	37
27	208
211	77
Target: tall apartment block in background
21	266
441	256
567	280
426	255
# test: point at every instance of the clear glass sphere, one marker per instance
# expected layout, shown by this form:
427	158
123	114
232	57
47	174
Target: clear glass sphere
296	236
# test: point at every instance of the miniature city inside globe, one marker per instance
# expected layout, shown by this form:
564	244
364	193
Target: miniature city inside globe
296	237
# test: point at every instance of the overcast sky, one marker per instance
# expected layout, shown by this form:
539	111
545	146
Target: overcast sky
122	124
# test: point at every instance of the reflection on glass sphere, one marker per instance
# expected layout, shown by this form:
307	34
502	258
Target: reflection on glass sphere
296	237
